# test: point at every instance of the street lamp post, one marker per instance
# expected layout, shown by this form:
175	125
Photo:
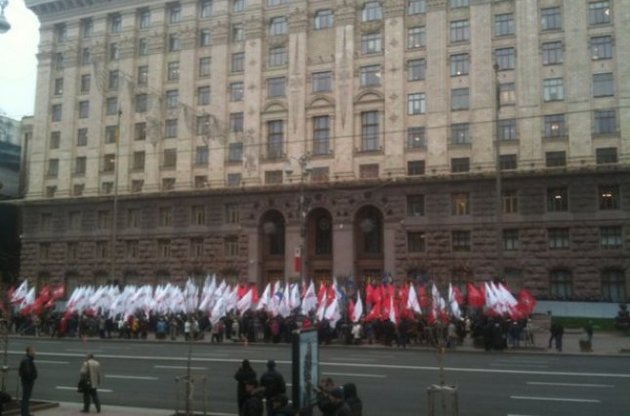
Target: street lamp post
498	178
305	170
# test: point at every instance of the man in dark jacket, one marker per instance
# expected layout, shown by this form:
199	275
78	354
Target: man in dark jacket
28	375
273	382
253	405
338	406
243	374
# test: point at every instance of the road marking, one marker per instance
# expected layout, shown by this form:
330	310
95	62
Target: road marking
541	383
75	389
52	362
355	375
555	399
179	367
522	361
131	377
513	414
519	365
352	359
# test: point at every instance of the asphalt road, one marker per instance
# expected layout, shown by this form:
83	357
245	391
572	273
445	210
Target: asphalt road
389	381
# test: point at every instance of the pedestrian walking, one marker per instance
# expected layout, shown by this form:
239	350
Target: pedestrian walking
556	331
273	383
28	375
91	372
244	374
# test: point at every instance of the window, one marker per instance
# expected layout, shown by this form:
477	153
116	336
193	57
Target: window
370	75
196	248
168	184
368	171
231	213
416	6
200	181
141	103
136	185
164	248
55	139
275	139
552	53
111	134
557	200
273	177
558	238
172	71
238	32
59	61
416	37
560	284
322	81
605	122
102	249
510	202
114	51
169	158
170	128
510	239
238	62
172	99
56	112
606	155
601	47
278	26
415	168
504	24
205	9
415	205
238	5
453	4
553	89
236	91
461	241
507	93
74	221
609	197
103	220
236	122
144	18
115	23
460	204
276	87
611	237
203	95
113	80
603	85
72	251
460	164
555	159
416	103
614	285
371	43
371	11
109	162
58	87
86	56
203	125
278	56
460	134
508	162
82	138
143	75
233	179
460	30
174	13
235	152
143	47
138	161
271	3
321	135
80	164
132	249
554	126
551	18
230	246
205	65
416	138
44	251
370	131
460	99
198	215
416	69
416	241
87	27
599	13
205	38
111	106
201	156
505	58
134	216
508	129
323	19
460	64
140	131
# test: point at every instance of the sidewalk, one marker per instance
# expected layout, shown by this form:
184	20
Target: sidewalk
66	408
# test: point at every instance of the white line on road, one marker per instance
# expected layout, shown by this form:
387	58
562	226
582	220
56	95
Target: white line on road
75	389
513	414
555	399
519	365
131	377
352	359
356	375
179	367
52	362
541	383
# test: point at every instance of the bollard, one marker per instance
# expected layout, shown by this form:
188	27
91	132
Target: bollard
442	400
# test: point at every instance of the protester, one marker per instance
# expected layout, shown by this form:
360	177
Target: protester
253	405
91	371
556	331
243	374
338	406
352	399
28	375
273	383
324	399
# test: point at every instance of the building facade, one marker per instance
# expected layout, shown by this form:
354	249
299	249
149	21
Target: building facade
261	139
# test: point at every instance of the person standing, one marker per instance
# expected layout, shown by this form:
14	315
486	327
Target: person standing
273	383
253	405
28	375
244	374
91	370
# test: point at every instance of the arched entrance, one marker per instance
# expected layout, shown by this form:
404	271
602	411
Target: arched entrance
368	240
319	246
272	237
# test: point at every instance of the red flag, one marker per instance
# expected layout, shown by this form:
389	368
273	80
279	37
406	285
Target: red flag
255	295
527	300
424	299
58	292
375	313
369	293
459	298
350	307
476	298
242	291
321	293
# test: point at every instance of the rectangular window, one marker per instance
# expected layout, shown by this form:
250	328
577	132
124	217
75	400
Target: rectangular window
143	75
238	62
275	139
460	165
169	159
201	156
174	13
198	215
170	128
416	138
416	7
144	18
205	66
205	38
56	112
140	131
510	202
238	32
415	168
510	239
205	9
507	129
231	213
235	152
58	87
203	125
370	75
72	251
172	71
461	240
372	11
505	58
164	248
236	122
168	184
109	162
87	27
80	163
369	171
323	19
203	95
553	89
276	87
555	159
132	249
416	103
111	106
82	136
84	109
599	13
552	53
416	37
371	43
322	81
233	179
200	181
174	43
278	56
507	93
115	23
134	216
611	237
370	131
460	204
551	18
460	134
136	185
113	80
141	103
504	24
114	51
603	85
273	177
557	199
320	174
172	99
102	249
460	64
609	197
454	4
460	31
59	61
555	126
138	161
601	47
606	155
86	56
111	134
230	246
55	139
321	135
415	205
605	122
196	248
416	241
237	91
508	162
143	47
416	69
460	99
103	220
559	238
238	5
278	26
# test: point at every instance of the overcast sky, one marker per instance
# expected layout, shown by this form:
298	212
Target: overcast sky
18	65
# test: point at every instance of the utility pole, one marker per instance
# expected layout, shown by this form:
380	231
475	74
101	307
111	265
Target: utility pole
498	178
115	203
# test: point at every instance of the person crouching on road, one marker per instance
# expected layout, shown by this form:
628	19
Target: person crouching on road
91	369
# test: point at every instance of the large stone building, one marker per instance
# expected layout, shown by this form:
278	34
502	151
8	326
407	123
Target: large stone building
218	136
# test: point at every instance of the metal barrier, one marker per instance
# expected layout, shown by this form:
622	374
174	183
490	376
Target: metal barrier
190	399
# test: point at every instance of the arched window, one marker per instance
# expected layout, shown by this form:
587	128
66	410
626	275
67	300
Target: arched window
372	11
560	284
323	234
614	285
